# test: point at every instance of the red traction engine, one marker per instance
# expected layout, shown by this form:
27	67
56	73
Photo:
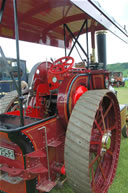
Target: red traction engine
71	123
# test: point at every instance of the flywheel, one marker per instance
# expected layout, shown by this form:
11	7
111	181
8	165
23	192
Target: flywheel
92	142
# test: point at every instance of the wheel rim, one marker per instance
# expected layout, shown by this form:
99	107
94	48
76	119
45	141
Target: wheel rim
104	145
93	142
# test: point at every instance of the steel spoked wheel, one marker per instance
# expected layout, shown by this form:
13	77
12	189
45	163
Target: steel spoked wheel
93	142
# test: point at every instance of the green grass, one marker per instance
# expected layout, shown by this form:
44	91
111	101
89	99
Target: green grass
120	183
64	189
122	94
126	84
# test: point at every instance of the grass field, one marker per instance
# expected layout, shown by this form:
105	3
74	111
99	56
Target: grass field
122	94
120	184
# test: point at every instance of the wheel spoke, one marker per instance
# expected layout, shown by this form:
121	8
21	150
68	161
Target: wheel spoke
109	152
62	67
61	61
93	178
102	171
97	114
98	127
106	112
108	109
66	62
103	120
95	142
94	160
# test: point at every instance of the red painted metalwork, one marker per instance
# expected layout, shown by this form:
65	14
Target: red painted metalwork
62	65
67	20
13	168
45	159
38	78
46	156
39	29
79	91
63	171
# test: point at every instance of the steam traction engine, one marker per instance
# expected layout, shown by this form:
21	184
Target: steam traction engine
71	121
32	156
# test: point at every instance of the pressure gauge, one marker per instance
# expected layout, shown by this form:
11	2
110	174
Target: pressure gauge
54	79
37	72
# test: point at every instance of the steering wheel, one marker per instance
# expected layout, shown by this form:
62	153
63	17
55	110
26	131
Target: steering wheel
62	65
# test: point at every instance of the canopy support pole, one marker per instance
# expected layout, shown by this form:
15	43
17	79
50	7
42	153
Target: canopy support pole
18	63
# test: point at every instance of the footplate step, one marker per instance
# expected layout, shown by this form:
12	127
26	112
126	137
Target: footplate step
46	186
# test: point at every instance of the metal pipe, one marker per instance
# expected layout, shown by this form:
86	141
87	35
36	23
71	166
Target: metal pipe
87	43
78	52
46	140
18	62
101	48
76	40
46	143
93	59
65	40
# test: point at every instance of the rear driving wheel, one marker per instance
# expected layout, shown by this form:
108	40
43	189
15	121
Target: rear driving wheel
93	142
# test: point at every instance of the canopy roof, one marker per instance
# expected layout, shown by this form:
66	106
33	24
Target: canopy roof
42	21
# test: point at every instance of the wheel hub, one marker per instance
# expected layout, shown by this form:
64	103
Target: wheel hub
106	142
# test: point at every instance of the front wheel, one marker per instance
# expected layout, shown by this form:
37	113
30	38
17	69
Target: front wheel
93	142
